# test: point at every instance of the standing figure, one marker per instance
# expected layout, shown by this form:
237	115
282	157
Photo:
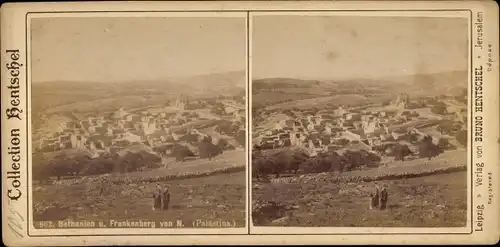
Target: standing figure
383	198
374	198
165	199
157	195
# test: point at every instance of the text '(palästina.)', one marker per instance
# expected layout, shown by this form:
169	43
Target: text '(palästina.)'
13	113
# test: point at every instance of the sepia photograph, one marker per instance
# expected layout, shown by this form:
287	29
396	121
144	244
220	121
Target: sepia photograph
250	122
359	120
138	122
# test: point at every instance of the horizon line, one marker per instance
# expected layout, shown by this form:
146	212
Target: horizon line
171	79
352	78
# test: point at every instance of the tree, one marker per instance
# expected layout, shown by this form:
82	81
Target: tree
42	173
289	160
181	152
324	162
427	149
400	151
100	166
282	160
315	165
209	150
355	159
262	167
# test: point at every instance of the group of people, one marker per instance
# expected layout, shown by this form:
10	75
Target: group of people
161	198
379	198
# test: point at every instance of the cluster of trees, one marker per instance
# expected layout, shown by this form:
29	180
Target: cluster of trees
276	163
292	161
332	161
206	149
229	128
426	149
181	152
209	150
454	129
83	165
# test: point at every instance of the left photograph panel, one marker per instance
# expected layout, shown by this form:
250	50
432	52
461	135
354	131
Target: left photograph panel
138	121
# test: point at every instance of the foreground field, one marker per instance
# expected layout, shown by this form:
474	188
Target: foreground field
219	197
430	201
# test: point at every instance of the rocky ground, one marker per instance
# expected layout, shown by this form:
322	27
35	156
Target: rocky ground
218	197
430	201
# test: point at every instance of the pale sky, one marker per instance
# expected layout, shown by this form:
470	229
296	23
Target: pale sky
129	48
324	47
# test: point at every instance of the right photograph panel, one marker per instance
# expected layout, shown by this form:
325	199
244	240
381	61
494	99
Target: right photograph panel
359	121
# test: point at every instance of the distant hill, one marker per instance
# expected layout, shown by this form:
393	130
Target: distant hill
278	90
229	83
52	94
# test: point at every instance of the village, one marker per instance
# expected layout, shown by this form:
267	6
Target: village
402	121
150	126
